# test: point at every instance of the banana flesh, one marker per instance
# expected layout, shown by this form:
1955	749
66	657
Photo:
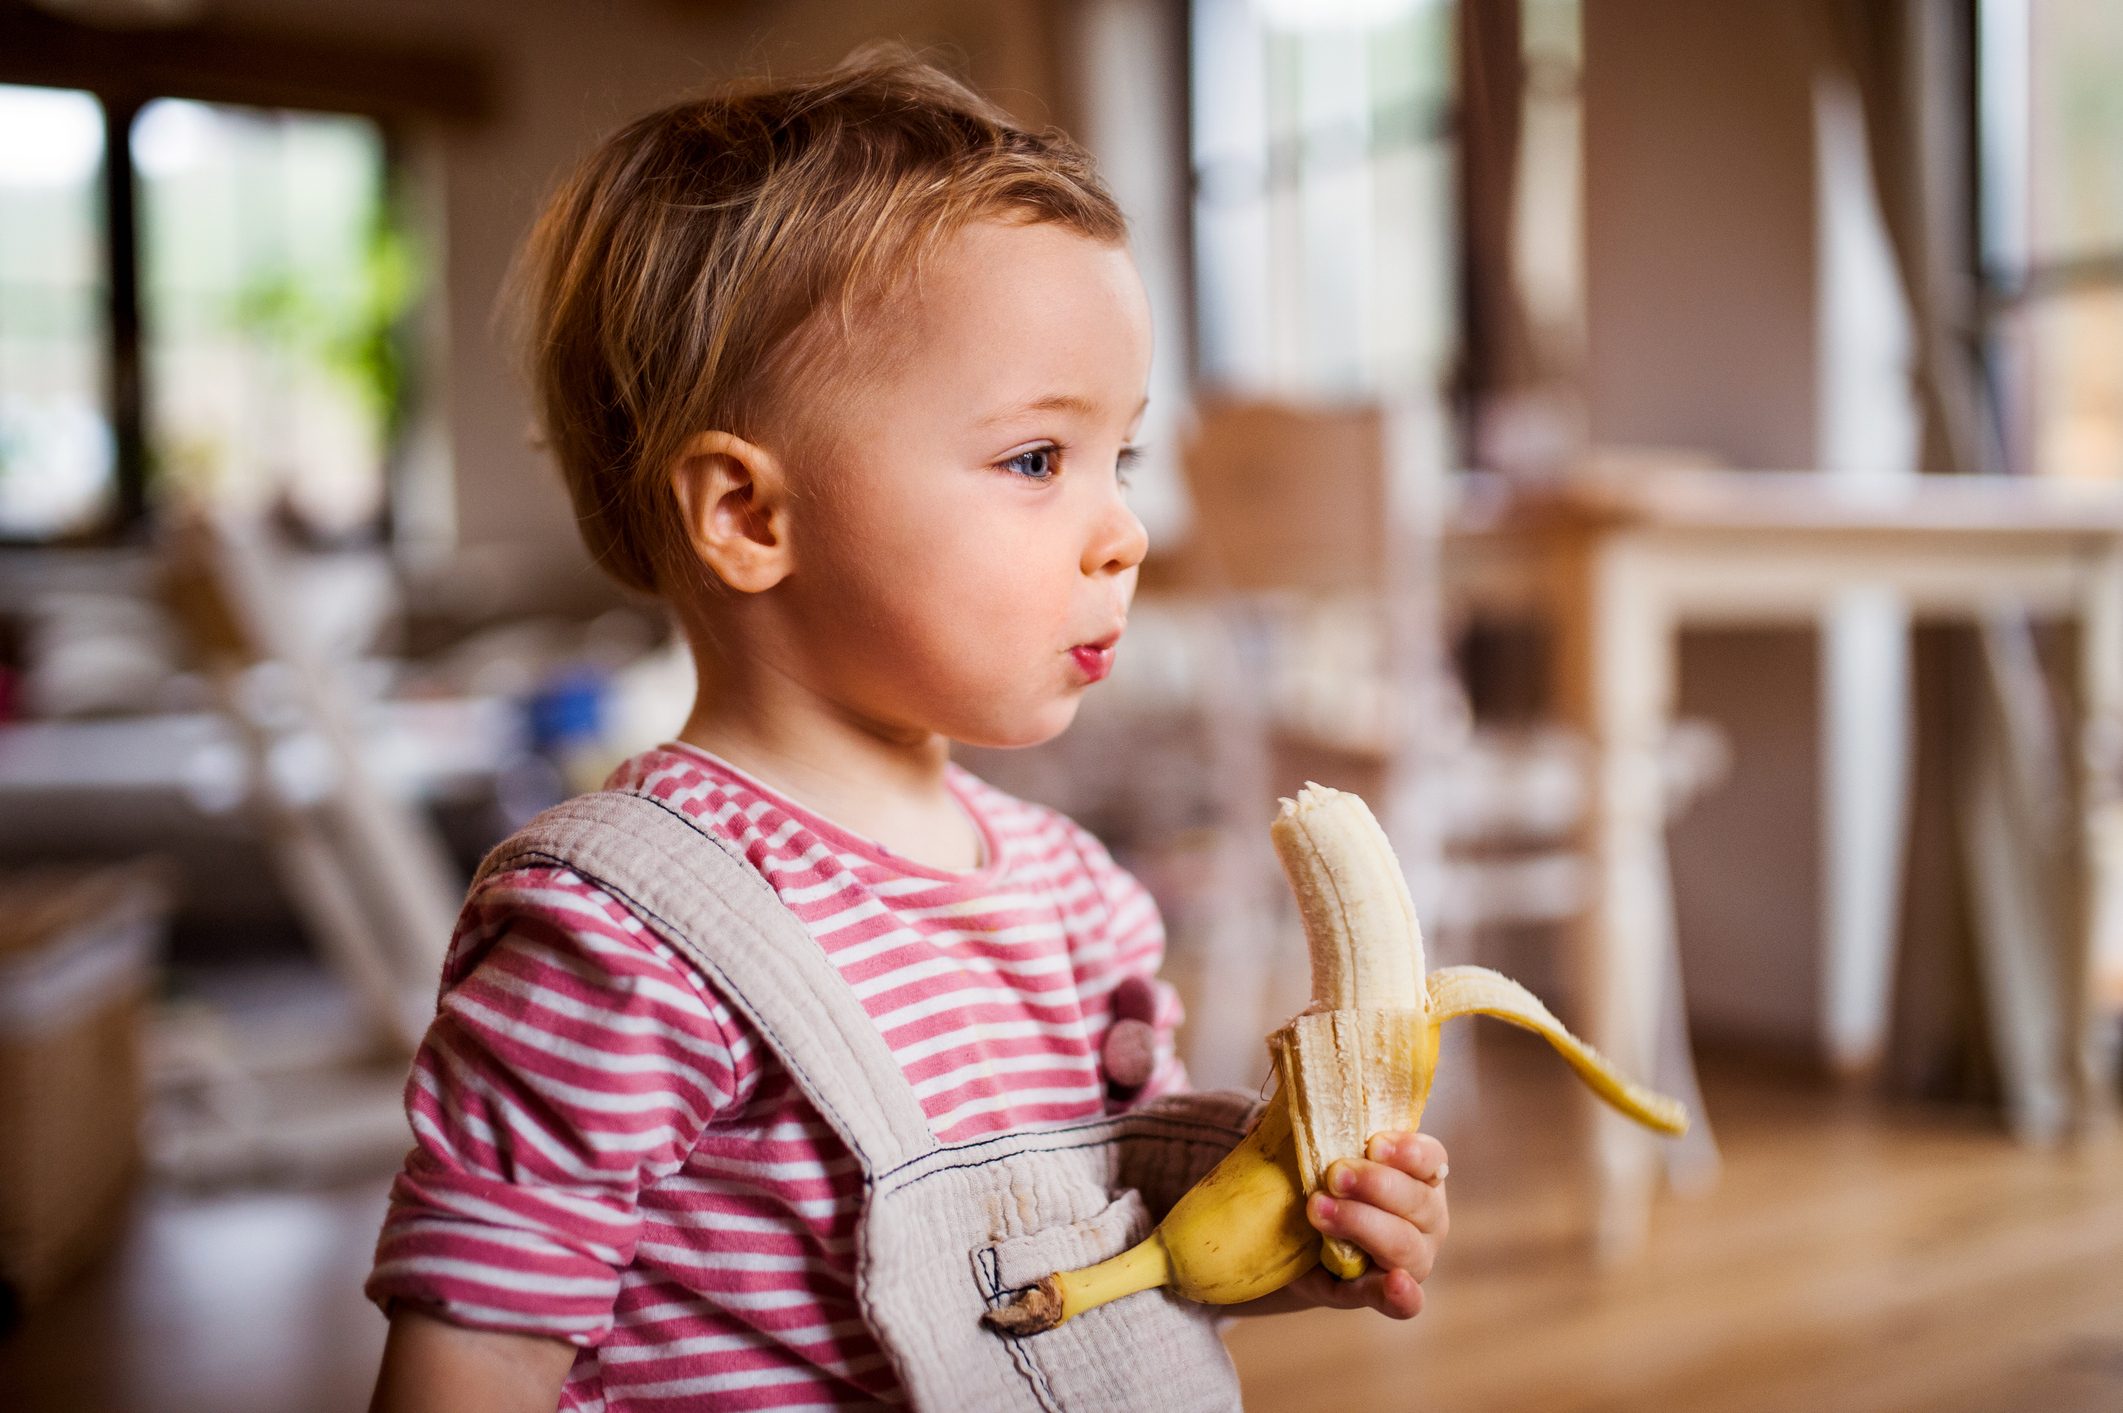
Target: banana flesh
1367	948
1360	1060
1351	1074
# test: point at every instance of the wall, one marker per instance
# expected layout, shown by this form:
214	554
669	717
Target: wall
1707	323
1702	271
565	73
1705	294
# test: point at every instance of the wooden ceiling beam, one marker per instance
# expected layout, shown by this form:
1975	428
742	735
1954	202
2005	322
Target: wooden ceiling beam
217	63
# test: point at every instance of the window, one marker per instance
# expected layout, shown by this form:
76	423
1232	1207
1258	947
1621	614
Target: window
1323	212
271	291
57	468
2051	221
261	287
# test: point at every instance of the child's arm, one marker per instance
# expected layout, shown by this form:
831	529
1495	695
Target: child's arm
433	1366
571	1063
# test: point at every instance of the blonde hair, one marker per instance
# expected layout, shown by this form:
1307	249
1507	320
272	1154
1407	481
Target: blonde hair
676	281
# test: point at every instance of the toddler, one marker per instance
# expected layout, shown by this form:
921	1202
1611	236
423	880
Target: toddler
759	1074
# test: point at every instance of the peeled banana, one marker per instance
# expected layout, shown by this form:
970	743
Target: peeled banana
1358	1061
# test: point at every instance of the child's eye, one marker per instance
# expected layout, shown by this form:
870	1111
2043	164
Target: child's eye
1124	464
1038	464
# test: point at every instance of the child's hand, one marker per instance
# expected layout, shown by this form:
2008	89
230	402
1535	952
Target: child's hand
1392	1204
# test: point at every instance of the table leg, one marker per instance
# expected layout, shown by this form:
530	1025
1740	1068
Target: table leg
2093	976
1614	655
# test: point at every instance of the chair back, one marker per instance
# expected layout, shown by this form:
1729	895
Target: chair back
1291	497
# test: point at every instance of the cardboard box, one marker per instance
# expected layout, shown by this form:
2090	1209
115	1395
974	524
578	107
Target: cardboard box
77	948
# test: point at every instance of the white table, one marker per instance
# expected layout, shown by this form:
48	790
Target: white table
1618	568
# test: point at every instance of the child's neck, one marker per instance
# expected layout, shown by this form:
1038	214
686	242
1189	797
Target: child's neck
889	789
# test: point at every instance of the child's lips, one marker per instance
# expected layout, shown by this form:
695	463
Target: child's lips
1095	660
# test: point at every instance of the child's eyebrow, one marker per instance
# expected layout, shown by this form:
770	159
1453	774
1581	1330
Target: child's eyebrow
1053	402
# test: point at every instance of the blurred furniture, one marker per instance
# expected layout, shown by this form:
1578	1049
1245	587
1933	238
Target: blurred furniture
77	952
1618	565
293	729
428	748
367	871
1317	520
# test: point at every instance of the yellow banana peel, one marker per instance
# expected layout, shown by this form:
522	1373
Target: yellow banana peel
1358	1061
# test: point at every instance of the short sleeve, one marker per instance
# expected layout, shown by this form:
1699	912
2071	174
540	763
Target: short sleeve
1130	943
572	1062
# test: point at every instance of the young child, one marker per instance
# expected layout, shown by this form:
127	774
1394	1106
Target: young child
848	372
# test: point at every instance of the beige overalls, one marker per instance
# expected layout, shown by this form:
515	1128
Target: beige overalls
947	1231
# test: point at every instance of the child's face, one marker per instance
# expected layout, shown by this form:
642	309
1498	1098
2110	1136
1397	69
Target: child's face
963	554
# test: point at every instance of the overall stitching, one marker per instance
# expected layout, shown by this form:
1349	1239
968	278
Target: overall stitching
1175	1130
1020	1353
753	874
1221	1140
871	1174
672	933
1022	1142
746	868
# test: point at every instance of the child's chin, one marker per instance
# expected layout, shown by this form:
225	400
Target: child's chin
1015	735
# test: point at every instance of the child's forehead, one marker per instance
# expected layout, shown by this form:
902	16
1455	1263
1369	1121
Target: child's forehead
1001	253
1000	322
1000	295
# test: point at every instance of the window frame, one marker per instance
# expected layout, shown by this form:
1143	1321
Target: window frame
1286	159
2010	280
400	89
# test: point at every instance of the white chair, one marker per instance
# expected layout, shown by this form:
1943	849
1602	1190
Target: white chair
1318	532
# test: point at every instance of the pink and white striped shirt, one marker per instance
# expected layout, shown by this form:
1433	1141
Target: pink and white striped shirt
606	1155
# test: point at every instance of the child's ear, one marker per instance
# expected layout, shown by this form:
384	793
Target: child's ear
735	501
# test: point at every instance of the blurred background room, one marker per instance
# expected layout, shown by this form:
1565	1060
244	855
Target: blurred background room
1667	456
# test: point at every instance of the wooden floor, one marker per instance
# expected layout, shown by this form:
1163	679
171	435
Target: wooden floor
229	1304
1854	1260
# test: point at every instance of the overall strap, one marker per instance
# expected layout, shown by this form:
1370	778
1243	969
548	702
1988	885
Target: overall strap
723	917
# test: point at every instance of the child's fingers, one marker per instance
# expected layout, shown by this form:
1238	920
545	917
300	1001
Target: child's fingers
1390	1292
1391	1190
1400	1295
1388	1188
1416	1154
1387	1238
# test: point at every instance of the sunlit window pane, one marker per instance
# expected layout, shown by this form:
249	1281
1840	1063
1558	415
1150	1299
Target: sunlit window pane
1231	219
2075	51
2075	383
1324	214
1334	106
56	465
270	286
2052	183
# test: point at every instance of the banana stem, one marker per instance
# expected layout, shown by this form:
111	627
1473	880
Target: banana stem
1067	1294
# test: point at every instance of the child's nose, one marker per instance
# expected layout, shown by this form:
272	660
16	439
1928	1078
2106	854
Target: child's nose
1120	542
